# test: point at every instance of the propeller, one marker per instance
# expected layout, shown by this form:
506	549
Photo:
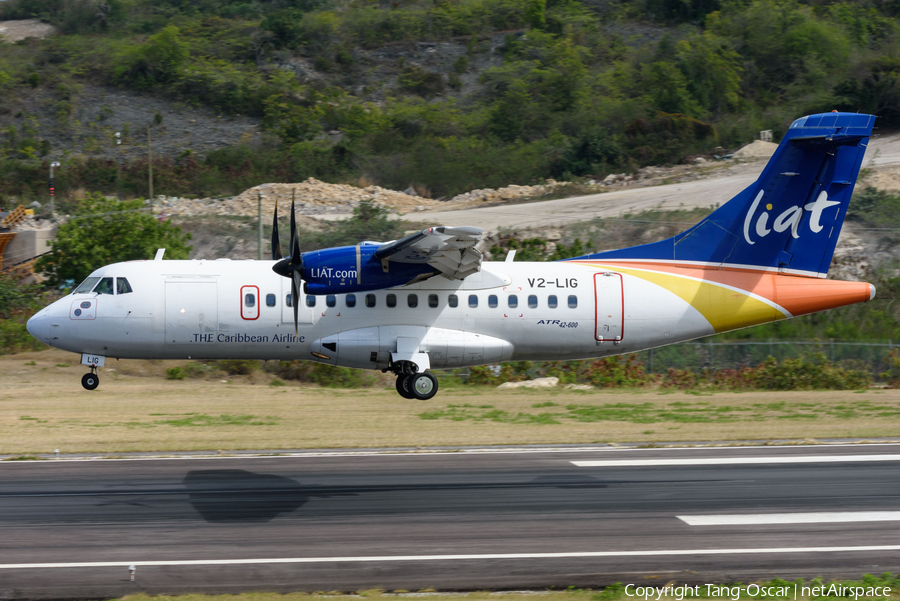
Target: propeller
291	266
276	243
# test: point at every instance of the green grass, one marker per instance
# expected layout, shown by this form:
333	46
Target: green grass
816	589
679	411
25	458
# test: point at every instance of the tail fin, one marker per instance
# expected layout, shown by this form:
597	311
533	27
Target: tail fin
788	220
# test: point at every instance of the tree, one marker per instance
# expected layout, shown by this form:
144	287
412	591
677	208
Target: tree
712	69
108	231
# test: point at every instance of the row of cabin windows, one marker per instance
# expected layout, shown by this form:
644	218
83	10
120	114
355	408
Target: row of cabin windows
412	301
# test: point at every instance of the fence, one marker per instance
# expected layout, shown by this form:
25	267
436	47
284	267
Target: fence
873	356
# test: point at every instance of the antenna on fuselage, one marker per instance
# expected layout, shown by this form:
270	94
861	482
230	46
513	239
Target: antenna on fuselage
159	254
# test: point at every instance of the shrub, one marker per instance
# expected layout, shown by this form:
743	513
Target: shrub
619	371
331	376
421	82
237	367
680	378
174	373
802	373
290	370
197	370
334	376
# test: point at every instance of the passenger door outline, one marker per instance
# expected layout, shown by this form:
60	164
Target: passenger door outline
609	307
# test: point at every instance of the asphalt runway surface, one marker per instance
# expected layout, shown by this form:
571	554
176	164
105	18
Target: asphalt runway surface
451	521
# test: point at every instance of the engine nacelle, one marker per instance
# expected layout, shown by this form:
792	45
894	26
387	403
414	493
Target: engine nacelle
355	269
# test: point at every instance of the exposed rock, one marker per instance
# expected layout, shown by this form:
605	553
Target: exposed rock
536	383
756	150
579	387
12	31
312	197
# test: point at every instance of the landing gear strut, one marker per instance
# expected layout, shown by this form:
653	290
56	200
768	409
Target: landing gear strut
92	380
412	384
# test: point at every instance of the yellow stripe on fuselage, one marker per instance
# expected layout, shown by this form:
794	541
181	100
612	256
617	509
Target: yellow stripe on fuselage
723	307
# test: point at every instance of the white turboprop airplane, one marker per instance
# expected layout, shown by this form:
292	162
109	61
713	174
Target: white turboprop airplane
428	301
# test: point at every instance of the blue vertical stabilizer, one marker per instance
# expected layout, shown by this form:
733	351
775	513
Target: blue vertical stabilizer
790	218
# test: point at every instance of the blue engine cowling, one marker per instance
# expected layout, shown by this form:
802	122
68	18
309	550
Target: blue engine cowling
339	270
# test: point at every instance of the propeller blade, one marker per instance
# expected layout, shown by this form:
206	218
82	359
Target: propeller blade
296	260
276	243
295	296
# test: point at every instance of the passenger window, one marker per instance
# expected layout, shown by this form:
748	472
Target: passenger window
249	300
391	300
370	300
310	300
270	300
433	301
513	301
551	301
532	301
350	300
492	301
453	301
412	301
573	301
122	286
289	301
330	300
105	286
473	300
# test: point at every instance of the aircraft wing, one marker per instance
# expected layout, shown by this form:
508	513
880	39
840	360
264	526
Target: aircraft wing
450	250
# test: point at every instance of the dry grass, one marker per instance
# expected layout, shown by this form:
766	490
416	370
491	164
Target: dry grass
43	407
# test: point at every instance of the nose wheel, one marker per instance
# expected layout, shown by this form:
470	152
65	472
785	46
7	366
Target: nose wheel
421	386
90	381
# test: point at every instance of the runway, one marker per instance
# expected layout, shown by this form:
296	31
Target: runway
454	520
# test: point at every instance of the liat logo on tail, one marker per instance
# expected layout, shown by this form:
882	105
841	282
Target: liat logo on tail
790	218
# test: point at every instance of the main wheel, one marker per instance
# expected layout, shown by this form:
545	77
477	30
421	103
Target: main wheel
423	385
90	381
403	386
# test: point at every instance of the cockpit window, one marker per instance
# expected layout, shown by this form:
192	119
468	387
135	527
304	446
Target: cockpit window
87	285
122	286
105	286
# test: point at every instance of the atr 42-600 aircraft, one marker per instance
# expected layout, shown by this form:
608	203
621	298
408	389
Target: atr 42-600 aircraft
428	301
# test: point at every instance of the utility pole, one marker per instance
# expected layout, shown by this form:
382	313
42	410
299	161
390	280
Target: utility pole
52	187
118	166
260	240
150	167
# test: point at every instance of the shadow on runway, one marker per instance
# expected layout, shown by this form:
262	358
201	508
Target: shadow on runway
231	496
228	496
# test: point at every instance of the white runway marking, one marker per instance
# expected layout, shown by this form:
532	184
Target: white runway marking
736	460
820	517
456	452
393	558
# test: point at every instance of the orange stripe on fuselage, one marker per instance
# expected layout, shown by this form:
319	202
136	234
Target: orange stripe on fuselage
797	294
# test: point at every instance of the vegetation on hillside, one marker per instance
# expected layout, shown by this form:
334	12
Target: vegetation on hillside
570	91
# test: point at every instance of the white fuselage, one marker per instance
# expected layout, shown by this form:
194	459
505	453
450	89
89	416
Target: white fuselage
221	309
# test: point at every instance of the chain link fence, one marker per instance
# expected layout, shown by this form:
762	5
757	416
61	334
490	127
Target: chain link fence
874	357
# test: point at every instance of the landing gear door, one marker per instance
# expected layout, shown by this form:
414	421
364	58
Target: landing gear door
305	314
609	303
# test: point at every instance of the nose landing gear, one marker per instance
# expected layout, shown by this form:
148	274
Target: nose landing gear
412	384
92	380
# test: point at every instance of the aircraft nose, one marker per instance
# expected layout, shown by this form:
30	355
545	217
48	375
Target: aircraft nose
39	326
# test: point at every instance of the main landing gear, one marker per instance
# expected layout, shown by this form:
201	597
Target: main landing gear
92	380
412	384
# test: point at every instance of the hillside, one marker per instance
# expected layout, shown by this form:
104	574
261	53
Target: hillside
441	95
